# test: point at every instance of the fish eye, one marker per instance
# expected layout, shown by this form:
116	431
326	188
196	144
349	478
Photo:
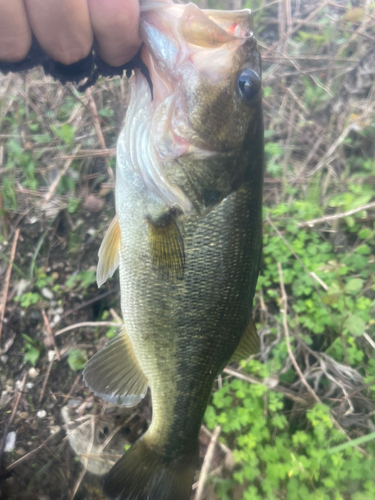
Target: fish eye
248	85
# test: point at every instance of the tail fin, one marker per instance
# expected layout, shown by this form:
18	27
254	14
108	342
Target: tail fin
143	474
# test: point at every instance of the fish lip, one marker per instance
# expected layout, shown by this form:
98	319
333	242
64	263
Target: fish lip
161	53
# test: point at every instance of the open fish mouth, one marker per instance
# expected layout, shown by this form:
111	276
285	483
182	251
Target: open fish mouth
185	46
194	109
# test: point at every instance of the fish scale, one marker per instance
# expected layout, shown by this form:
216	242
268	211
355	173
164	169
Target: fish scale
187	237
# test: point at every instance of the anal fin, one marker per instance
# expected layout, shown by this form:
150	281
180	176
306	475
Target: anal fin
114	373
249	344
166	247
109	253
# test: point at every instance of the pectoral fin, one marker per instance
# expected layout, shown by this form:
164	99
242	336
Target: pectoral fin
166	248
114	373
109	253
249	344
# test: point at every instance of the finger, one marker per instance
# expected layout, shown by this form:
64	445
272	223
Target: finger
15	33
115	26
62	28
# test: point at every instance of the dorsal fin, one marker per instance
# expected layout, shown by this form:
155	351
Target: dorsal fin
109	253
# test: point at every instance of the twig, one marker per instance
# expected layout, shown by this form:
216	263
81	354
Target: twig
89	448
98	129
84	324
72	389
287	338
246	378
312	222
89	153
213	473
87	303
369	340
62	172
224	448
9	423
115	431
312	275
50	334
320	281
28	455
334	146
7	280
207	462
46	379
116	316
242	376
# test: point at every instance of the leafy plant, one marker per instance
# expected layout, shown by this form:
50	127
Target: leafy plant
33	350
65	132
277	460
77	359
28	299
83	279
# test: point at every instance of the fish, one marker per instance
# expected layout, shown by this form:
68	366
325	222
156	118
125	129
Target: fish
187	236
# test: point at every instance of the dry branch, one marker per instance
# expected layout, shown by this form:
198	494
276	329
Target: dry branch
53	187
327	218
9	423
85	324
207	463
72	389
7	280
278	388
50	334
92	153
46	380
284	311
32	452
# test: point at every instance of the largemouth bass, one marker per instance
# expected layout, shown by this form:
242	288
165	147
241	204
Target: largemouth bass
186	237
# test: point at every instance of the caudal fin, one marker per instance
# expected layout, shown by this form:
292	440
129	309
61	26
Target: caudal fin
143	474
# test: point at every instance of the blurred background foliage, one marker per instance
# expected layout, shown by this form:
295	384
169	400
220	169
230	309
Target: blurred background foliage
297	421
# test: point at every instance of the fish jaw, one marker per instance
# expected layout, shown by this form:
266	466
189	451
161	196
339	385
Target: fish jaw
189	51
197	115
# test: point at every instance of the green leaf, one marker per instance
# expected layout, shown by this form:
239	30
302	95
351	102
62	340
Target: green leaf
112	332
363	250
32	355
350	221
106	112
354	285
40	138
365	233
64	132
355	325
77	359
267	91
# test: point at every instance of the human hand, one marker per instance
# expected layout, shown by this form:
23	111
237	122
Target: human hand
65	29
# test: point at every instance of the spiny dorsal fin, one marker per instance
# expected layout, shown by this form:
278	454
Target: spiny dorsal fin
109	253
166	247
114	373
249	344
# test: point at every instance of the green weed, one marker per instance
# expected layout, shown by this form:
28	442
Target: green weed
32	348
77	359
